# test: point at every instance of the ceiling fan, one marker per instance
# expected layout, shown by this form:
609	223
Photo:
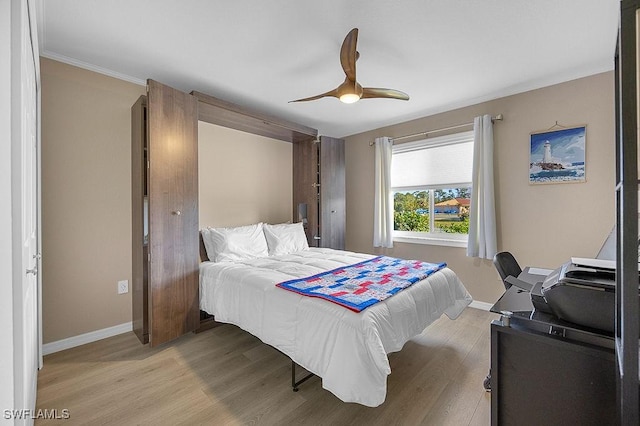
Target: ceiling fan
350	90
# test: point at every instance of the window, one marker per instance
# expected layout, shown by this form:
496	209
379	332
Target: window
431	186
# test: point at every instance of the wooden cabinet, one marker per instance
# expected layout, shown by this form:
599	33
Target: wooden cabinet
139	220
319	190
627	336
546	371
164	214
164	180
540	378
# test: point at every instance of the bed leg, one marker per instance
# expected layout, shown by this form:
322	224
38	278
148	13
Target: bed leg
295	384
293	376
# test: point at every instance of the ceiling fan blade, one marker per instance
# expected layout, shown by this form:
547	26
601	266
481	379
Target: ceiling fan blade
349	55
374	92
333	93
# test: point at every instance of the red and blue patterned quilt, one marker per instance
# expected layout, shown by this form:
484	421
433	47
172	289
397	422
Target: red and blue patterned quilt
363	284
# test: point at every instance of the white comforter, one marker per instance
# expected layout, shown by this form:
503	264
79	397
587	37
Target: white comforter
348	350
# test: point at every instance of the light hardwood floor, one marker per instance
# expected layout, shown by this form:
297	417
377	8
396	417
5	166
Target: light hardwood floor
227	376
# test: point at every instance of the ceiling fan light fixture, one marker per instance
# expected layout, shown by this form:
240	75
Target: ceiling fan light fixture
350	91
349	98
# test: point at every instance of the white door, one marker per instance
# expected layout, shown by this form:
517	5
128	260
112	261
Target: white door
27	351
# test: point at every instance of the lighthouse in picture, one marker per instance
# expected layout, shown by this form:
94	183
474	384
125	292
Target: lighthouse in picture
546	157
548	162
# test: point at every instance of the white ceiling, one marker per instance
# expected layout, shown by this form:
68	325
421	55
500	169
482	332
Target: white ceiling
263	53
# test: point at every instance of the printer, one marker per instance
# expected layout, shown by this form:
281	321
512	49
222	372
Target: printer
581	291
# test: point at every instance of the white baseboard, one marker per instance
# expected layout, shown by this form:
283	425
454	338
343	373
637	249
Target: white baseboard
481	305
83	339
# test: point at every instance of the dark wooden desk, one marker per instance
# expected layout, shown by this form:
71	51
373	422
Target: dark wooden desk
548	371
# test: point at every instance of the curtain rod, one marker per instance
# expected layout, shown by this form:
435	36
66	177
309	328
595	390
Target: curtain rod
444	129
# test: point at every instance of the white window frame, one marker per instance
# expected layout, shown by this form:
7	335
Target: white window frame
432	238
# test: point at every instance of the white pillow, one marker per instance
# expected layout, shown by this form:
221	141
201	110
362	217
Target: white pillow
237	243
285	238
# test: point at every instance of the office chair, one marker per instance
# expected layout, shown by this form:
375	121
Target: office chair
506	265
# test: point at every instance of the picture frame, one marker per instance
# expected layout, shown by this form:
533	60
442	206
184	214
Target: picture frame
558	155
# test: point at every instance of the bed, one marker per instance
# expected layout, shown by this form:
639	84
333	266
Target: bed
346	349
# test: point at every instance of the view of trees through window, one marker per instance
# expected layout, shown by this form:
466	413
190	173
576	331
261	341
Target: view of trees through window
450	207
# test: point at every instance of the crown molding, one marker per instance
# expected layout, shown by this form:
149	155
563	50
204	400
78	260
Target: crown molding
91	67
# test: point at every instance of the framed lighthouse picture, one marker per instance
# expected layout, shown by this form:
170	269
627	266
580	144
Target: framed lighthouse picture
558	155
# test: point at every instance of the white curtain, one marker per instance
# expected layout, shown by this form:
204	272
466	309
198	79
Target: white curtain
482	215
383	204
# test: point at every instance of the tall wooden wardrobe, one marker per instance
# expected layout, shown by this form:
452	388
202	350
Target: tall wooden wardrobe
164	196
319	190
164	182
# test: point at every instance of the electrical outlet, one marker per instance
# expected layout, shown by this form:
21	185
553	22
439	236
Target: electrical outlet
123	286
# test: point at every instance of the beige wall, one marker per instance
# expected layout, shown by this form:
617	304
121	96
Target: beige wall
543	225
86	199
256	187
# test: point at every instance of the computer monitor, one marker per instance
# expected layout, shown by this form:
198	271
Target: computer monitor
608	249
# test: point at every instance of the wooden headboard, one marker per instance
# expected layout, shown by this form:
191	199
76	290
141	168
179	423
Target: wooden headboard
203	250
